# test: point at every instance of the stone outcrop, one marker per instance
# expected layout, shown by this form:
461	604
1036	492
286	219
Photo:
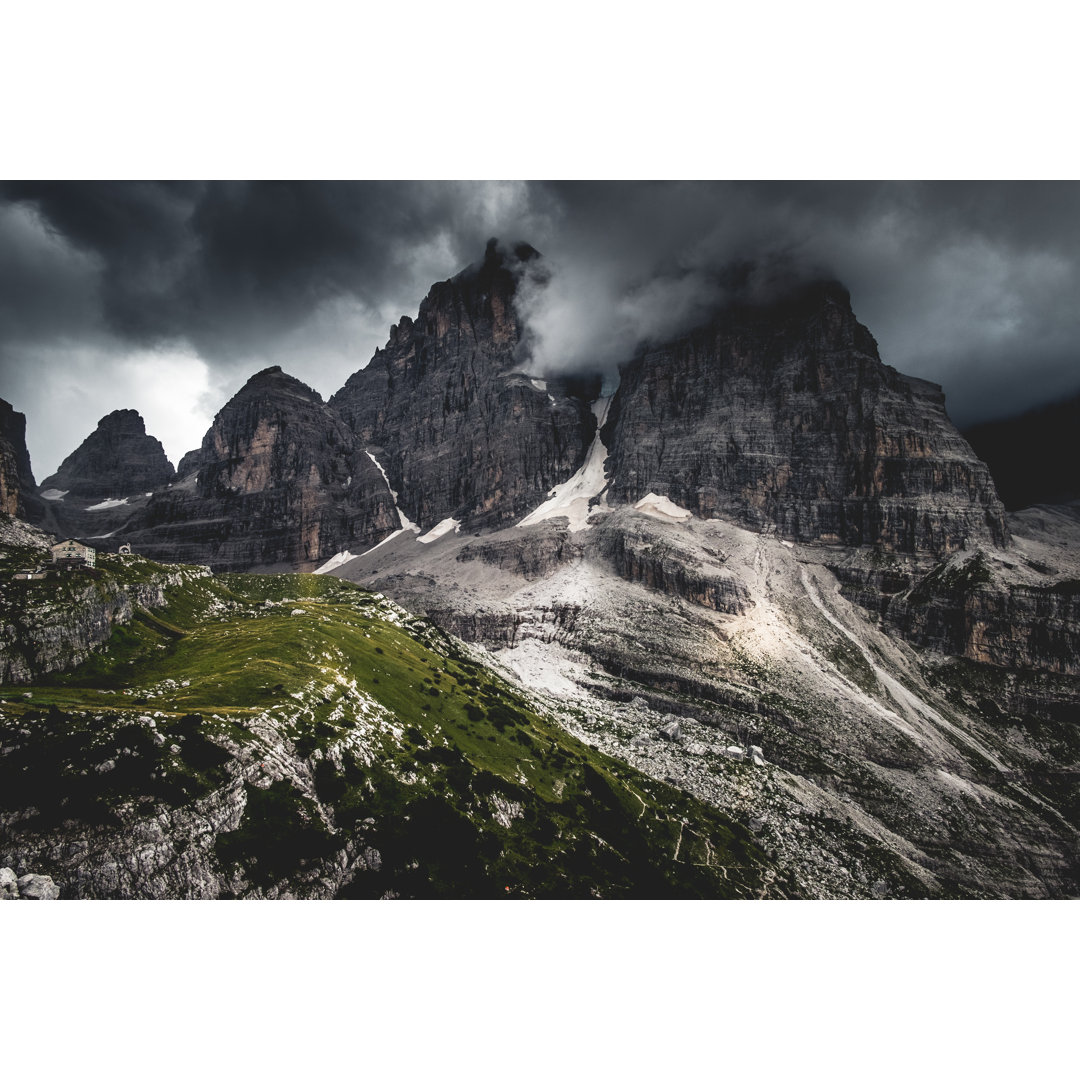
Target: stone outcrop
279	482
783	416
446	408
115	460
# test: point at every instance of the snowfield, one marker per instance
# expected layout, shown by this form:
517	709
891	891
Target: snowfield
571	499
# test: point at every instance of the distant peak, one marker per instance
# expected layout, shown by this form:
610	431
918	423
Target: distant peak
123	420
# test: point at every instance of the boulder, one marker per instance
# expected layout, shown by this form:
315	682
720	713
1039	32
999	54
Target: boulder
38	887
9	884
672	731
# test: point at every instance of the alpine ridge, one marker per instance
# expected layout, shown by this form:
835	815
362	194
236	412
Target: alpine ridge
765	571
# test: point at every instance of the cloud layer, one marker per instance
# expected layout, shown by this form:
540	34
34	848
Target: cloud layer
166	297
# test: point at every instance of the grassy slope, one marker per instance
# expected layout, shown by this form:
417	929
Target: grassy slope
414	749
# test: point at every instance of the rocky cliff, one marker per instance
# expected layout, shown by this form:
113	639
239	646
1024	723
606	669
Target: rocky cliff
784	416
115	460
17	485
447	410
279	481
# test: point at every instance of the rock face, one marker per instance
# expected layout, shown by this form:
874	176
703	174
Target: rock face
785	416
16	478
115	460
447	411
279	481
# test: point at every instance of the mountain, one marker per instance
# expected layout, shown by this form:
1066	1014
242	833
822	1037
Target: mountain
449	411
784	415
766	572
279	482
1032	457
115	460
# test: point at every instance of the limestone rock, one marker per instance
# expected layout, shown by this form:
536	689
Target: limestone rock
672	731
38	887
9	884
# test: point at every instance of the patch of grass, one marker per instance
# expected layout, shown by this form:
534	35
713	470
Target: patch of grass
476	792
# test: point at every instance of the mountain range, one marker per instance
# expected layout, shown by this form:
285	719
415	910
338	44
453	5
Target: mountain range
760	567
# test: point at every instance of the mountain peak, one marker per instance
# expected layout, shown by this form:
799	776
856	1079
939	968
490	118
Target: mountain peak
276	380
117	459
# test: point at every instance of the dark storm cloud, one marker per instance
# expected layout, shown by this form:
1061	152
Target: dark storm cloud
972	285
229	267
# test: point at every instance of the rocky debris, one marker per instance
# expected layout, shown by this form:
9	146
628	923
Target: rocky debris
783	416
448	410
280	483
27	887
116	460
856	726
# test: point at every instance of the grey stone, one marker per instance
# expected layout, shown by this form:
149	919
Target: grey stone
672	732
38	887
9	884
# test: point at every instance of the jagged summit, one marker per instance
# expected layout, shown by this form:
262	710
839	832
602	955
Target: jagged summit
117	459
446	409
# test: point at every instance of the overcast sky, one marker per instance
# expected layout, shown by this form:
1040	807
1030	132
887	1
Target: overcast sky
167	297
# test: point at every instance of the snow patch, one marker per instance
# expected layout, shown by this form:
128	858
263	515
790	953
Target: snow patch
539	384
402	519
661	507
444	526
52	494
334	562
103	536
108	504
571	499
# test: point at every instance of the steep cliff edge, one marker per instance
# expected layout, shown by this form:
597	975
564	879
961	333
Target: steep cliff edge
17	488
784	416
279	482
448	411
